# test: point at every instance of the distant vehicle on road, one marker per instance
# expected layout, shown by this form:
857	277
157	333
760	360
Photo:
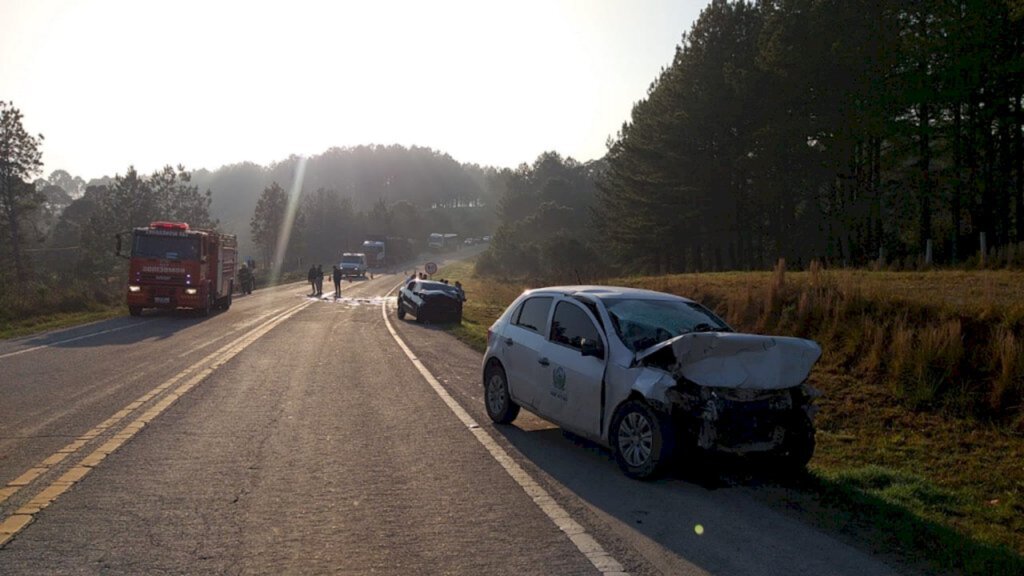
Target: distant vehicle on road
648	375
353	265
430	301
443	242
174	266
376	253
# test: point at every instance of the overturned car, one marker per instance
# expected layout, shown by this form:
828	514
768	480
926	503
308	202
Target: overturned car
650	375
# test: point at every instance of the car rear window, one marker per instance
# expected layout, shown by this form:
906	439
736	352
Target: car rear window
533	314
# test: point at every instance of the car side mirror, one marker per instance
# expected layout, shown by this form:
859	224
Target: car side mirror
592	349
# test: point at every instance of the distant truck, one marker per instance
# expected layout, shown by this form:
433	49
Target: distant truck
376	253
353	265
443	242
384	251
172	266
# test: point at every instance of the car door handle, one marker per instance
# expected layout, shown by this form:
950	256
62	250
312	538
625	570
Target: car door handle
544	362
509	341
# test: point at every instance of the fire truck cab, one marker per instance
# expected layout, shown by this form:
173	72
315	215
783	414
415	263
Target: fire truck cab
172	266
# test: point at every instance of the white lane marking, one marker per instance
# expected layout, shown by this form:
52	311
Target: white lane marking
585	543
59	342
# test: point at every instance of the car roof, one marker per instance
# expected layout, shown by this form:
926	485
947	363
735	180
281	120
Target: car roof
603	292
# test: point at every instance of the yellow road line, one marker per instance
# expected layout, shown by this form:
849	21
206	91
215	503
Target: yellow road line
24	515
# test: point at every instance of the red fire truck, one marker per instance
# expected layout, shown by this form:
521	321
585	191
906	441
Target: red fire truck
173	266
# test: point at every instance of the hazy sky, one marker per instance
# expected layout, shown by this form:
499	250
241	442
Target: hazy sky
206	83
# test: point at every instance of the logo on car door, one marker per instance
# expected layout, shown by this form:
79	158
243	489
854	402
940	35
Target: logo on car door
558	382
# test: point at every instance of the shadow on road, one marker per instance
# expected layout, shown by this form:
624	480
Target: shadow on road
123	331
708	511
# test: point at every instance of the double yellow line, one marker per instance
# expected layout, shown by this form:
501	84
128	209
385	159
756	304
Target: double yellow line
191	376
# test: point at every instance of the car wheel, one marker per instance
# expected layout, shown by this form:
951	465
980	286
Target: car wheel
642	440
401	311
135	310
497	401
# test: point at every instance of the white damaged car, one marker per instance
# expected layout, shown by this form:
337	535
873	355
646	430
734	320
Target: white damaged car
648	375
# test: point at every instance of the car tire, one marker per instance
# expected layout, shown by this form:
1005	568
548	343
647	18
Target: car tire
401	311
642	440
798	446
497	401
135	310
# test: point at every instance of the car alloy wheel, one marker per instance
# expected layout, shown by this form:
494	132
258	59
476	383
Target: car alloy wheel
500	407
636	439
496	395
643	440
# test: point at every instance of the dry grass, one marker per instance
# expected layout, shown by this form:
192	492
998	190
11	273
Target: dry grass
941	339
923	375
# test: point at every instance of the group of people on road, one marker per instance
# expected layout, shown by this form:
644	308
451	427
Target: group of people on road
316	280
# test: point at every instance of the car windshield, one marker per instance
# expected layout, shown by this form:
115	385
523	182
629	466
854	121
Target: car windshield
642	323
351	260
165	247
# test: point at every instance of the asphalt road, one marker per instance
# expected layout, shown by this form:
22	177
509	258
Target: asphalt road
300	436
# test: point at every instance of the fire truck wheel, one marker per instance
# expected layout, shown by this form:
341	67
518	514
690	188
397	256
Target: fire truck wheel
208	306
135	310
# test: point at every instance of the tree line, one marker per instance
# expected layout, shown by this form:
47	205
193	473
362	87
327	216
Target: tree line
61	229
841	130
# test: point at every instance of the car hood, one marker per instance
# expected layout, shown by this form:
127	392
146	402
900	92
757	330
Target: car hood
732	360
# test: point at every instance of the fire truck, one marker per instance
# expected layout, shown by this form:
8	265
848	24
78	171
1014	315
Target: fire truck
172	266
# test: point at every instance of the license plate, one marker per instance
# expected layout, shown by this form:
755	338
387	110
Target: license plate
162	300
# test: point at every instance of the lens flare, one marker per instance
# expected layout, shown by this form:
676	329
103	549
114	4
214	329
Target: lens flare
289	219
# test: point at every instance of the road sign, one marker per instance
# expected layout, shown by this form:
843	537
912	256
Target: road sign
430	268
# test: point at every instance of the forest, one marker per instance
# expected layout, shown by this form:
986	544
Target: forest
851	133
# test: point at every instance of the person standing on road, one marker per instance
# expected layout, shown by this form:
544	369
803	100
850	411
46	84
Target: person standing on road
319	280
312	279
337	282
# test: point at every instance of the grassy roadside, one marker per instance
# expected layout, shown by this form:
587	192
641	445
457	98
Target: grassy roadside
929	481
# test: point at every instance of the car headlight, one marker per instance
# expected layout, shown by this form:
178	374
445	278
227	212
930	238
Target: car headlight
190	291
134	288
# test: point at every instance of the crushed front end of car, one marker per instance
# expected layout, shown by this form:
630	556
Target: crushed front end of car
735	393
